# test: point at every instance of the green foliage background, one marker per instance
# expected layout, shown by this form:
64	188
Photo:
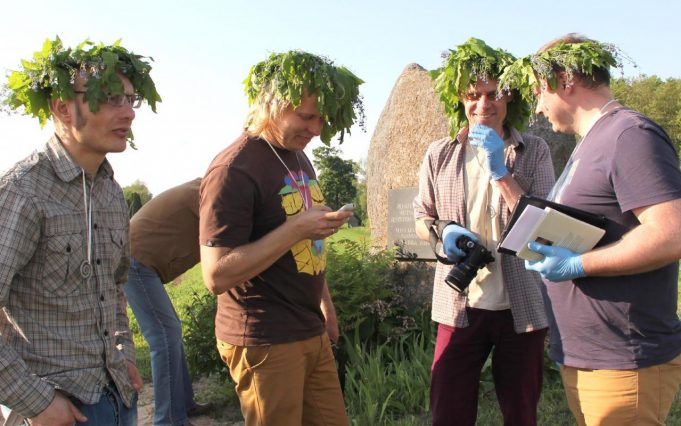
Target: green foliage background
136	195
336	176
658	99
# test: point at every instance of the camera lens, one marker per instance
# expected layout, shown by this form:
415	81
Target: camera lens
477	256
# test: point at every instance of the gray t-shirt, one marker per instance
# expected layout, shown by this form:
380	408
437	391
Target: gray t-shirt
624	162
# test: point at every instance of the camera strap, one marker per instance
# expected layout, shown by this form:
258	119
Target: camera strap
435	228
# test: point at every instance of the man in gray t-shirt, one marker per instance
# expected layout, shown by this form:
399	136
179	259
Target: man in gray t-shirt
613	320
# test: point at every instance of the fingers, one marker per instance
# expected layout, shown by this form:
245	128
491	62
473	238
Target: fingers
80	417
541	248
134	375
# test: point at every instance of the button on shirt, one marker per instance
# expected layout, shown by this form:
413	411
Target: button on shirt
59	329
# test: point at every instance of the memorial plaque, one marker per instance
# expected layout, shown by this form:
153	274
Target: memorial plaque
401	230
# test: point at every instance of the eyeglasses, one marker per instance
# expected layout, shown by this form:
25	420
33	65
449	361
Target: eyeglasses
492	95
119	100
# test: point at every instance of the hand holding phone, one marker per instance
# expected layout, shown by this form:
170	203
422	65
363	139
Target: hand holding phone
347	207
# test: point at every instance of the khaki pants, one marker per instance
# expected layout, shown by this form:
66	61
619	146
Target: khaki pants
287	384
622	397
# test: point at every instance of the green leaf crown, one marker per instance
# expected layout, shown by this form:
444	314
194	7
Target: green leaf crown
470	62
526	73
52	72
292	74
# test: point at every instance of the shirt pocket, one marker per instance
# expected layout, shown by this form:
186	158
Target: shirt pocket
63	258
117	247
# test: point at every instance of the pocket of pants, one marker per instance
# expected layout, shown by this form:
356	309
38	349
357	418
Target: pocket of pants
256	356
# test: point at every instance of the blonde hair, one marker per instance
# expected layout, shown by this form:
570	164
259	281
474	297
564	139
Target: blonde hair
263	114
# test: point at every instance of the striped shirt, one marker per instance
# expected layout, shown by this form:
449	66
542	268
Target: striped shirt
442	196
59	330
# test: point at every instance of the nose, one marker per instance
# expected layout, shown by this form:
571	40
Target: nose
316	127
127	111
486	101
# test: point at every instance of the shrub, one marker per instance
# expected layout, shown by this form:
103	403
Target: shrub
199	335
368	290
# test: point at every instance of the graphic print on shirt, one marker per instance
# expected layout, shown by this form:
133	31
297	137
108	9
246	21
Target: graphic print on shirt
309	255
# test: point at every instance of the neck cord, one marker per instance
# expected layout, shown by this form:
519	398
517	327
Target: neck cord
605	105
302	192
86	266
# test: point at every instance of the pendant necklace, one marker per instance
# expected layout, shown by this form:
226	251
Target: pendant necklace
294	183
86	266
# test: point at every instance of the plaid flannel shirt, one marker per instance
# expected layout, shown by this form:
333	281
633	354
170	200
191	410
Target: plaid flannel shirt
441	196
59	330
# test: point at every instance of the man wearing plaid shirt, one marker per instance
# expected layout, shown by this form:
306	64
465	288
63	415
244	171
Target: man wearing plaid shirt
66	353
474	179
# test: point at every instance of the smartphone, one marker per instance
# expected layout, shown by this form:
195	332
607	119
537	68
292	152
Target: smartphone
347	207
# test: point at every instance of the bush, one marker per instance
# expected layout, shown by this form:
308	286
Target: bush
367	289
199	336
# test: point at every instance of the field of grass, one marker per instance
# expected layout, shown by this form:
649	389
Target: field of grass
553	408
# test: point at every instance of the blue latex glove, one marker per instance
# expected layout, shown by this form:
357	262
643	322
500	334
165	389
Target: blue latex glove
559	263
487	139
450	234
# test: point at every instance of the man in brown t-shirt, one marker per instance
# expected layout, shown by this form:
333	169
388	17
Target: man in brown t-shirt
262	228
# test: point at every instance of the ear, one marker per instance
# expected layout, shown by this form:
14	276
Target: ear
565	82
62	110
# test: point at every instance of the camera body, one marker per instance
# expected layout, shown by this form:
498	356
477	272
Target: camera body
477	256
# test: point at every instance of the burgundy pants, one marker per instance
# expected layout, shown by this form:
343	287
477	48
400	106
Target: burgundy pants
517	369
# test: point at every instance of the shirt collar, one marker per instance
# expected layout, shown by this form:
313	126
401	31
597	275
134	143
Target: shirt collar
65	167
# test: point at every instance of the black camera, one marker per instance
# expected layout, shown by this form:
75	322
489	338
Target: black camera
477	256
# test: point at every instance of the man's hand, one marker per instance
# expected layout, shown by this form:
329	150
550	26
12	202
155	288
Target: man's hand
134	375
488	140
319	222
559	263
450	235
331	326
60	412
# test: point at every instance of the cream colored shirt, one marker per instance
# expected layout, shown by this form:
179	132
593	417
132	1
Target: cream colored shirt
487	289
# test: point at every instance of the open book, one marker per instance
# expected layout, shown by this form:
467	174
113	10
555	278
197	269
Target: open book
548	226
551	227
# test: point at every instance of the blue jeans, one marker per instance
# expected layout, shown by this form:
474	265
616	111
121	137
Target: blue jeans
173	394
110	410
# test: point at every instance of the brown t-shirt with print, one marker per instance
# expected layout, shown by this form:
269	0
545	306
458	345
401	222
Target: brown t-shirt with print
246	193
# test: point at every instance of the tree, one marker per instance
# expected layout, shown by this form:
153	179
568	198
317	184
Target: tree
135	203
361	211
136	195
658	99
336	176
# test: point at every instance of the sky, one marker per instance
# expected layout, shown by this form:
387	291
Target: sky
203	49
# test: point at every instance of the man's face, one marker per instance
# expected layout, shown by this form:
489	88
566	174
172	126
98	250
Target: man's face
106	130
482	106
551	105
298	126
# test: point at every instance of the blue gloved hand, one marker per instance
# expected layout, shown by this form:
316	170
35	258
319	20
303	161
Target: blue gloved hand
450	234
488	140
559	263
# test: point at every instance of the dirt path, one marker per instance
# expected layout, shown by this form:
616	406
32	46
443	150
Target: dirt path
145	410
